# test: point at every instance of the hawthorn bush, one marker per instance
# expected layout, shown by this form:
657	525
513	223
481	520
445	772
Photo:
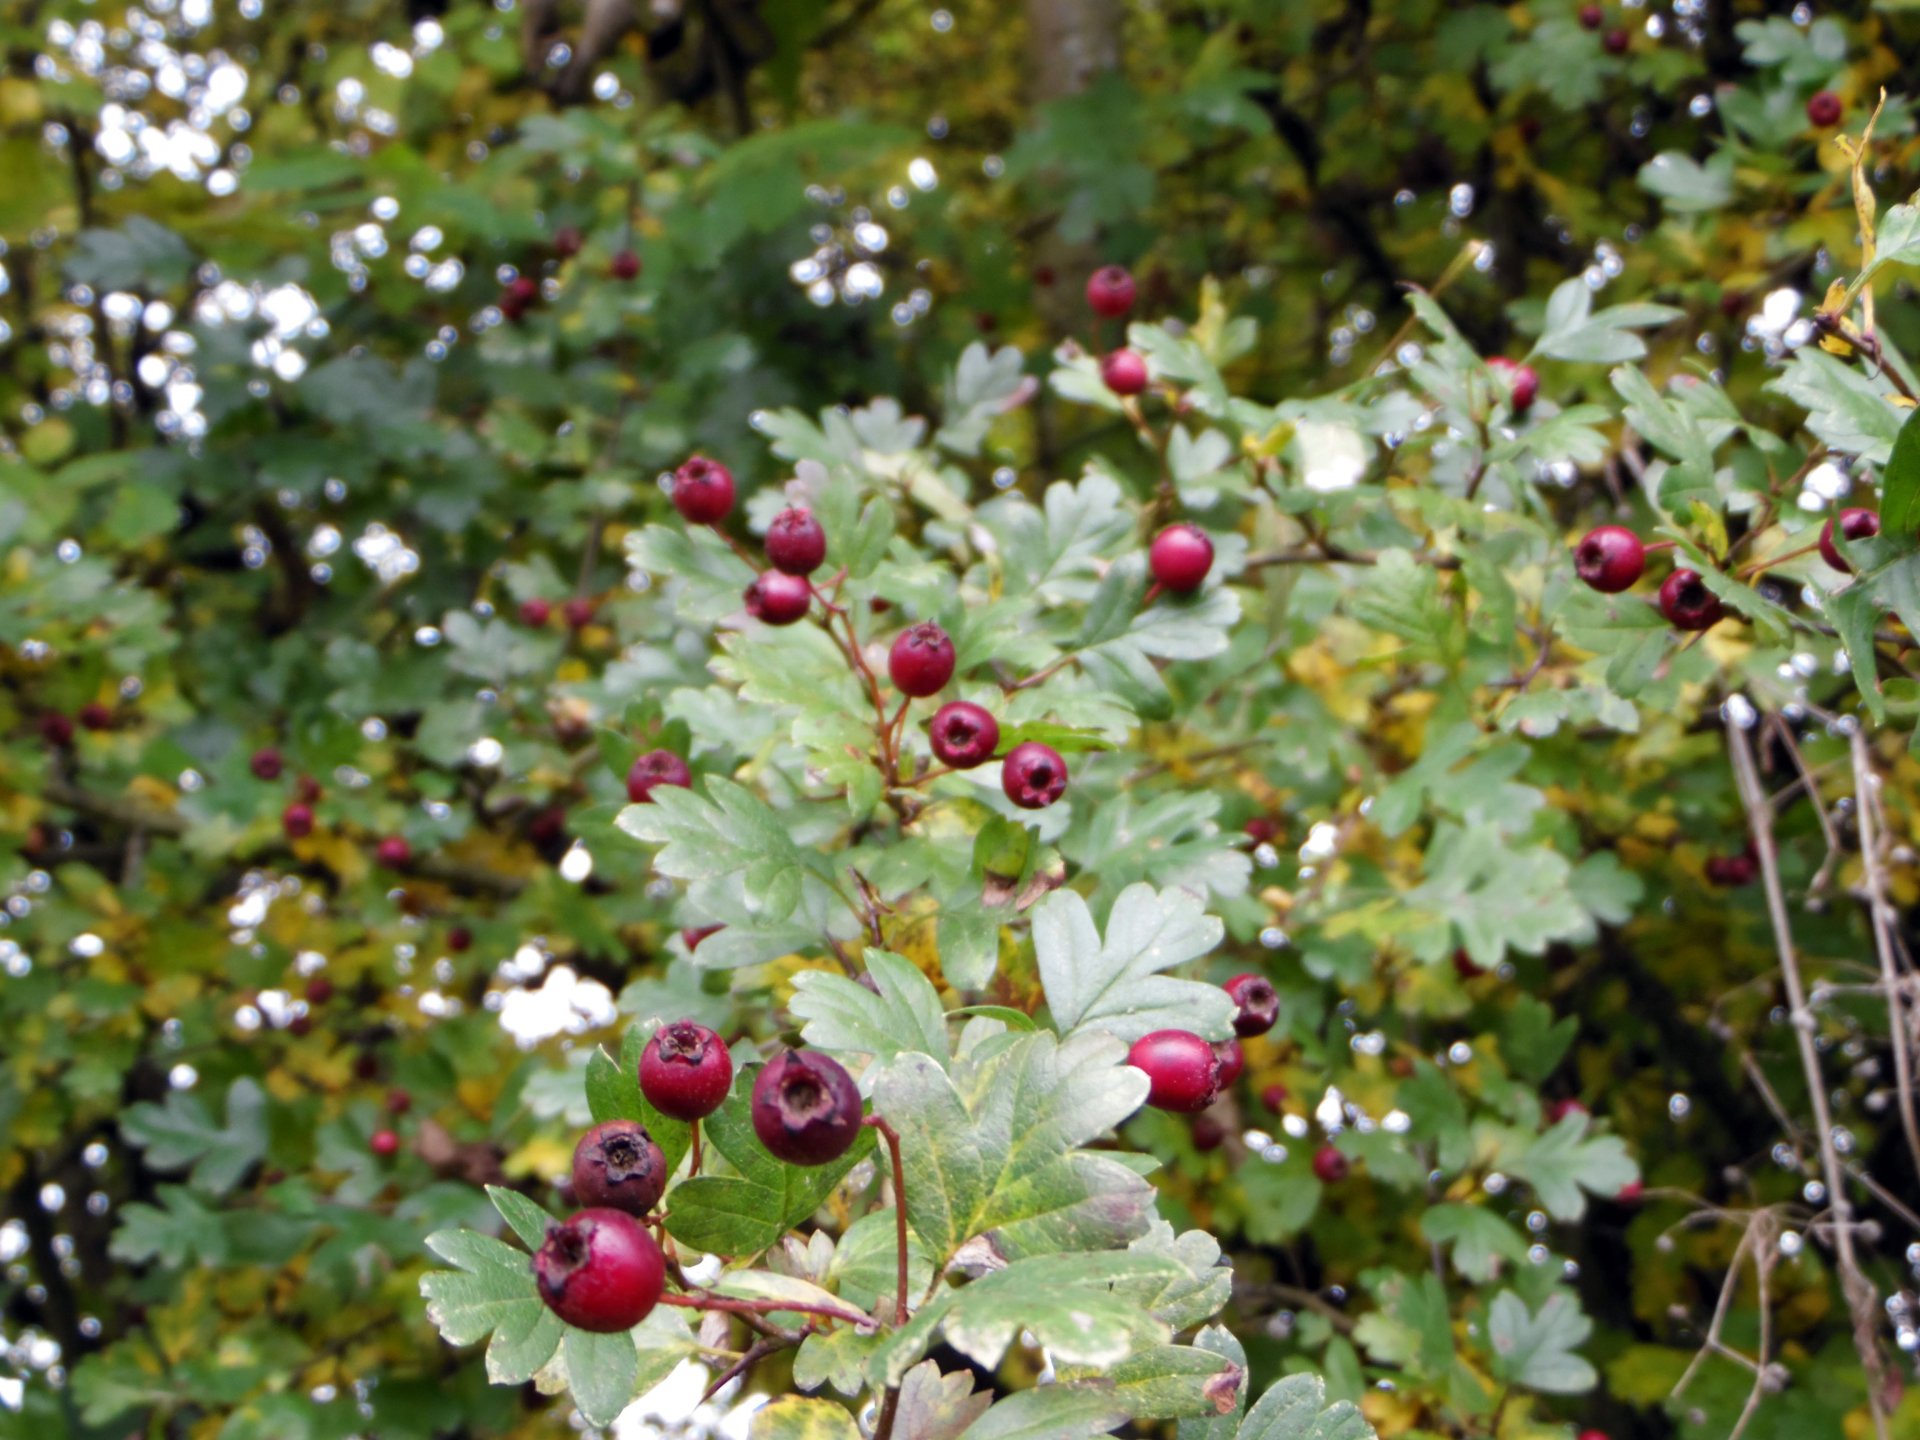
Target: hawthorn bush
801	721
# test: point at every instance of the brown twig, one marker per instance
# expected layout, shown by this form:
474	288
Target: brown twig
1867	802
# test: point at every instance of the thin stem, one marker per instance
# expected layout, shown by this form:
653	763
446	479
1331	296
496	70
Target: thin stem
693	1131
1867	803
892	1137
764	1307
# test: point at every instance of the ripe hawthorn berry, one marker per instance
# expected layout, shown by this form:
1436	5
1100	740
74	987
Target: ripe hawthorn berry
1616	41
297	821
702	491
1631	1193
1687	602
599	1270
393	852
522	293
1609	558
777	598
535	612
1274	1096
307	789
1110	291
399	1101
617	1166
1732	871
1824	109
319	990
95	716
921	660
1329	1165
1522	382
56	729
578	613
1182	1071
1259	1004
796	541
1124	372
548	828
625	265
1033	775
653	770
459	939
1558	1110
1229	1060
384	1143
1592	17
806	1109
567	241
1855	525
964	734
1180	557
685	1071
1260	829
1207	1133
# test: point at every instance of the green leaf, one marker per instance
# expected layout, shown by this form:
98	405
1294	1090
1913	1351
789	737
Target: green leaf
792	1418
1050	1412
1296	1409
864	1262
178	1133
1624	630
182	1230
491	1293
903	1013
1166	1382
1116	984
1498	897
1532	1041
1205	1287
602	1373
1900	481
935	1406
526	1219
1534	1349
1564	1162
1846	409
1574	331
1684	185
1481	1240
1222	1425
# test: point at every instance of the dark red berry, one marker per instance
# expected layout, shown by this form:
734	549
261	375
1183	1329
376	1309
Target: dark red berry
567	241
694	934
1592	17
1110	291
297	821
459	939
1259	1004
1594	1435
1522	382
300	1025
1616	41
1558	1110
777	598
654	769
56	729
1824	109
1732	871
1464	966
1855	525
1228	1061
1180	557
806	1109
1260	830
384	1143
600	1271
523	291
319	990
625	265
1208	1133
1273	1097
1183	1073
535	612
796	542
95	716
548	828
703	491
1329	1165
618	1166
307	789
1043	275
1631	1193
393	852
578	613
1124	371
1033	775
399	1101
685	1071
964	734
1687	602
512	309
366	1065
921	660
1610	558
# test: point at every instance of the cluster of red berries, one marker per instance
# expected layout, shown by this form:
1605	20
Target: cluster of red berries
577	613
1616	40
296	821
1110	295
57	729
522	293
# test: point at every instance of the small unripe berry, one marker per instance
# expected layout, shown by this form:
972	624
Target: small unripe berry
806	1108
685	1071
1855	525
600	1271
567	241
1259	1004
297	821
777	598
1824	109
459	939
1592	17
1183	1073
964	735
1610	558
1616	41
56	729
618	1166
1180	557
535	612
796	541
694	934
1522	382
1329	1165
95	716
654	769
1687	602
1110	291
1124	372
384	1143
1228	1061
625	265
578	613
1033	775
921	660
393	852
702	491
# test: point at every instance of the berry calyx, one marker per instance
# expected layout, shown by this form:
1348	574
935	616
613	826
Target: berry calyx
1824	109
1855	525
1033	775
1110	291
297	821
1124	372
1592	17
796	541
702	491
95	716
535	612
1610	558
1180	557
1182	1072
777	598
625	265
1522	382
567	241
578	613
685	1071
617	1166
1228	1061
654	769
964	735
56	729
921	660
1329	1165
1687	602
806	1109
384	1143
393	852
600	1271
1259	1004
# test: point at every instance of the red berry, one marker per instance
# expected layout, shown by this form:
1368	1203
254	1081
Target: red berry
266	763
1558	1110
297	821
600	1271
654	769
1616	41
522	291
384	1143
1522	382
1228	1061
307	789
1610	558
95	716
685	1071
1110	291
1464	966
393	852
625	265
535	612
567	241
548	828
1182	1072
777	598
1824	109
1208	1133
1273	1097
1687	603
319	990
300	1025
806	1109
366	1065
399	1101
459	939
1043	275
964	735
1033	775
921	660
1594	1435
1855	525
694	934
702	491
578	613
1732	871
1592	17
56	729
512	309
796	542
1124	371
1180	557
618	1166
1259	1004
1329	1165
1631	1193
